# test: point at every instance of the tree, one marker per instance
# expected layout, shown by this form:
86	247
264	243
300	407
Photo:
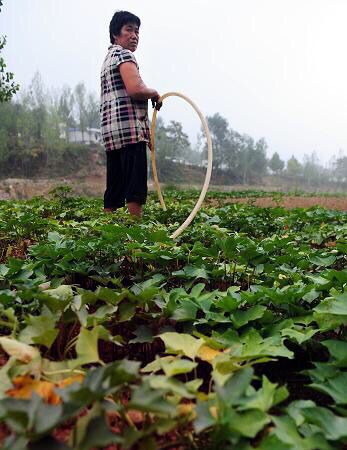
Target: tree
7	86
92	111
244	157
30	133
180	145
258	160
38	104
340	168
163	145
220	135
294	168
80	96
312	171
66	104
239	156
252	163
276	164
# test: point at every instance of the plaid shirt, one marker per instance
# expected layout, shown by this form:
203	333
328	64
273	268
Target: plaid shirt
123	120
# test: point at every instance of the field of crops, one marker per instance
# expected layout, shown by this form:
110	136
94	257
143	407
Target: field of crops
114	336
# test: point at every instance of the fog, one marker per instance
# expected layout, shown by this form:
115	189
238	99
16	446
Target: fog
274	68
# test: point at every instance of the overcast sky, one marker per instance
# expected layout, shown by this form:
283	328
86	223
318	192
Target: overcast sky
274	68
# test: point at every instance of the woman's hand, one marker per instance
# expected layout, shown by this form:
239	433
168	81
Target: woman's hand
156	103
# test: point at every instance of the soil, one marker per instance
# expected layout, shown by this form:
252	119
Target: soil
337	203
93	185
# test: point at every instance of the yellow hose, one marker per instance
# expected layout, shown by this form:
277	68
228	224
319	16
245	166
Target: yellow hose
197	206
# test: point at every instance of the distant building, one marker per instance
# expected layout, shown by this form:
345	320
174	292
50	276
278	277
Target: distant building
89	135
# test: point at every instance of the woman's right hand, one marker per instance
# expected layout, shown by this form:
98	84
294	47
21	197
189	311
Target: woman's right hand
156	103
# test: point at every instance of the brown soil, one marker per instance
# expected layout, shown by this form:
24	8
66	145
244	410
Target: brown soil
339	203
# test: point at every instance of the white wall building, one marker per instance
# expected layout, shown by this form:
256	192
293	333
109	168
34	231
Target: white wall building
89	135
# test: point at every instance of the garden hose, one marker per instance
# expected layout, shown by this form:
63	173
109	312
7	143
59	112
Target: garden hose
197	206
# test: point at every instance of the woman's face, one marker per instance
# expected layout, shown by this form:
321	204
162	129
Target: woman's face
128	37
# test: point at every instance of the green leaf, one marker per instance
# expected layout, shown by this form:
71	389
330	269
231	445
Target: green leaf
156	365
87	347
3	270
110	296
160	236
47	417
98	434
151	400
143	334
232	391
241	318
177	366
80	429
32	415
102	314
171	365
169	384
186	311
228	303
322	371
248	423
295	409
272	442
5	379
335	387
197	289
333	305
254	345
126	311
300	335
40	329
180	343
338	350
311	296
286	432
323	261
15	442
328	322
281	394
63	293
204	418
264	398
333	427
54	236
191	272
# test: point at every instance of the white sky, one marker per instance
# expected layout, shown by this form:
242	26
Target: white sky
274	68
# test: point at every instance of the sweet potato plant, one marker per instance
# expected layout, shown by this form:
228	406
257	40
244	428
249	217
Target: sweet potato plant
114	336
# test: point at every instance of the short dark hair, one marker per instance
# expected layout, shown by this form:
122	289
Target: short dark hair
119	19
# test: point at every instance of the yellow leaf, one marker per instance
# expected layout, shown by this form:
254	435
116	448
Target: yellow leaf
186	409
214	411
67	381
207	353
24	386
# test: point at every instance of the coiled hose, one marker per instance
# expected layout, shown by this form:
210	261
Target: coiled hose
198	204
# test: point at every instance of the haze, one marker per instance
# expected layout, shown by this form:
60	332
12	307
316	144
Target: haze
274	68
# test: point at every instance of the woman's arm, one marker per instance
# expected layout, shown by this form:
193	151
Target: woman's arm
134	85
